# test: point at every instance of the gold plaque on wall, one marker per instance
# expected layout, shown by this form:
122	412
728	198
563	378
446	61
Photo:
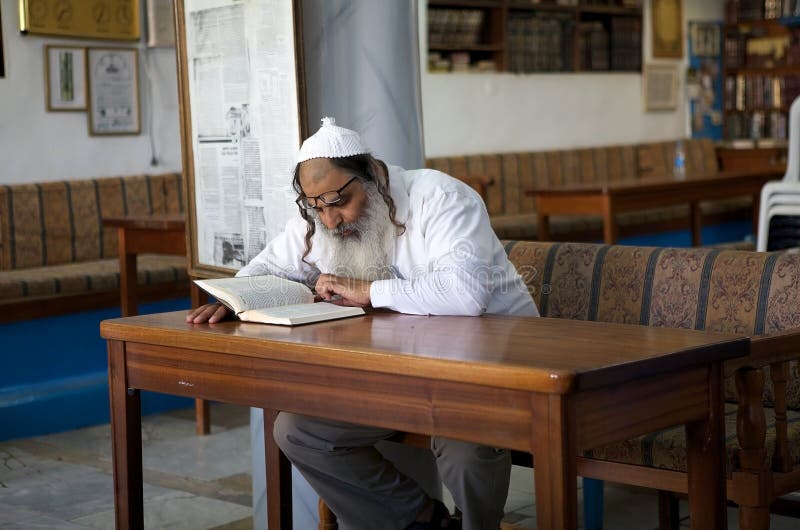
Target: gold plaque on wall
89	19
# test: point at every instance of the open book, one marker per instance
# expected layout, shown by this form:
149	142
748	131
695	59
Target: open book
272	300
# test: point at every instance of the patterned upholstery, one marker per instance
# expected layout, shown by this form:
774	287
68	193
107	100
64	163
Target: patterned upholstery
513	215
52	240
733	291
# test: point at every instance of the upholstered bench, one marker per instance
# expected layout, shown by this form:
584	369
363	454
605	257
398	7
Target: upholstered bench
749	293
513	215
55	255
731	291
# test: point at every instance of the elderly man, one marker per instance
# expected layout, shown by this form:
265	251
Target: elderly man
416	242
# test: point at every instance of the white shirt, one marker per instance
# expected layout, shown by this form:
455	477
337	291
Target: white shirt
447	262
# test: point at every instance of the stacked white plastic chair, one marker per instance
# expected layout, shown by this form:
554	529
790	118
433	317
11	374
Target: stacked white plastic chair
782	197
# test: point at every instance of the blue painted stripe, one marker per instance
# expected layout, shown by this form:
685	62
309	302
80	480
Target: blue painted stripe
763	294
594	290
71	213
12	239
124	196
705	289
548	274
43	231
99	215
180	192
647	292
149	194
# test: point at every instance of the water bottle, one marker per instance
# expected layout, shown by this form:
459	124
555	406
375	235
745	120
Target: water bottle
679	167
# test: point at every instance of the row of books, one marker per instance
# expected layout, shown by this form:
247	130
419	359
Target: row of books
539	43
777	52
742	10
757	125
593	46
744	93
458	62
455	27
626	43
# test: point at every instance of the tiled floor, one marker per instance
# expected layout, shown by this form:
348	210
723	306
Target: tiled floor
63	481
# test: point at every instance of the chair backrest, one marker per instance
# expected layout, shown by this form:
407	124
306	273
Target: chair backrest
52	223
748	293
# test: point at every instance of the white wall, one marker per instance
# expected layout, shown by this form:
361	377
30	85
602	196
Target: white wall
484	113
36	145
462	113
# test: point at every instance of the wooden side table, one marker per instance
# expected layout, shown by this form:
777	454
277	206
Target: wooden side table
153	234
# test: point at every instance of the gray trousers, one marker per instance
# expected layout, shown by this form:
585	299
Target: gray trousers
367	492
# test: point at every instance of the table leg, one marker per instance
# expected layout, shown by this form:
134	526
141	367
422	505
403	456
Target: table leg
126	442
554	453
542	227
202	411
127	277
706	461
609	221
696	222
279	479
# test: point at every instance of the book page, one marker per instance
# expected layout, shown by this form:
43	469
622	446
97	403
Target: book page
291	315
270	291
254	292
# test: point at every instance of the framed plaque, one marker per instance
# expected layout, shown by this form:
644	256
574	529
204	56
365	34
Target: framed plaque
65	77
660	87
242	110
667	21
113	76
105	19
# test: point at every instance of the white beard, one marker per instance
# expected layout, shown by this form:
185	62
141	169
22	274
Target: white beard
364	256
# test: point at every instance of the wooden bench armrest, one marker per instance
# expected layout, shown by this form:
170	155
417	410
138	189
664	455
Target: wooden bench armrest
766	350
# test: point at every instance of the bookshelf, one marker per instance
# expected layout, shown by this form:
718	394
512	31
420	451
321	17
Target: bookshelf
761	69
535	36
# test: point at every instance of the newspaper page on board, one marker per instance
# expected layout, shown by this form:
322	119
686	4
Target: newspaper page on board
242	82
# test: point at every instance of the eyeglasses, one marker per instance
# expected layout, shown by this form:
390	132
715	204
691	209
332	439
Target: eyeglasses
329	198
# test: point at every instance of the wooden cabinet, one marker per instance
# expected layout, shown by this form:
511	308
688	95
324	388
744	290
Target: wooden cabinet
763	159
761	63
528	37
761	67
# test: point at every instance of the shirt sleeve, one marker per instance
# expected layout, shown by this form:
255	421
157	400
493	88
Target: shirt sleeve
283	255
457	279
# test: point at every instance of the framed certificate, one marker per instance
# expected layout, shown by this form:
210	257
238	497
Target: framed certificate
660	86
65	77
113	75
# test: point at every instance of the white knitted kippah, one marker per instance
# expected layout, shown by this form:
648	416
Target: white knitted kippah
331	141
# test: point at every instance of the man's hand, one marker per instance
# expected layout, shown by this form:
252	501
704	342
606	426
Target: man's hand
352	292
210	313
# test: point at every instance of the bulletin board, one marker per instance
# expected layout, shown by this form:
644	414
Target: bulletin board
243	117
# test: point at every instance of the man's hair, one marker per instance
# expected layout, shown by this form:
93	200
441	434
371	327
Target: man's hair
366	169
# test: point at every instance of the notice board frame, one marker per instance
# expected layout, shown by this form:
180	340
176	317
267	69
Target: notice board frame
197	267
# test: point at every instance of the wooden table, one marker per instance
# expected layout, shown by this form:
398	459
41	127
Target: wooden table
608	199
144	234
153	234
550	387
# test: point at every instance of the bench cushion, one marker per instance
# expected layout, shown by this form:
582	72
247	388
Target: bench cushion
86	277
728	291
